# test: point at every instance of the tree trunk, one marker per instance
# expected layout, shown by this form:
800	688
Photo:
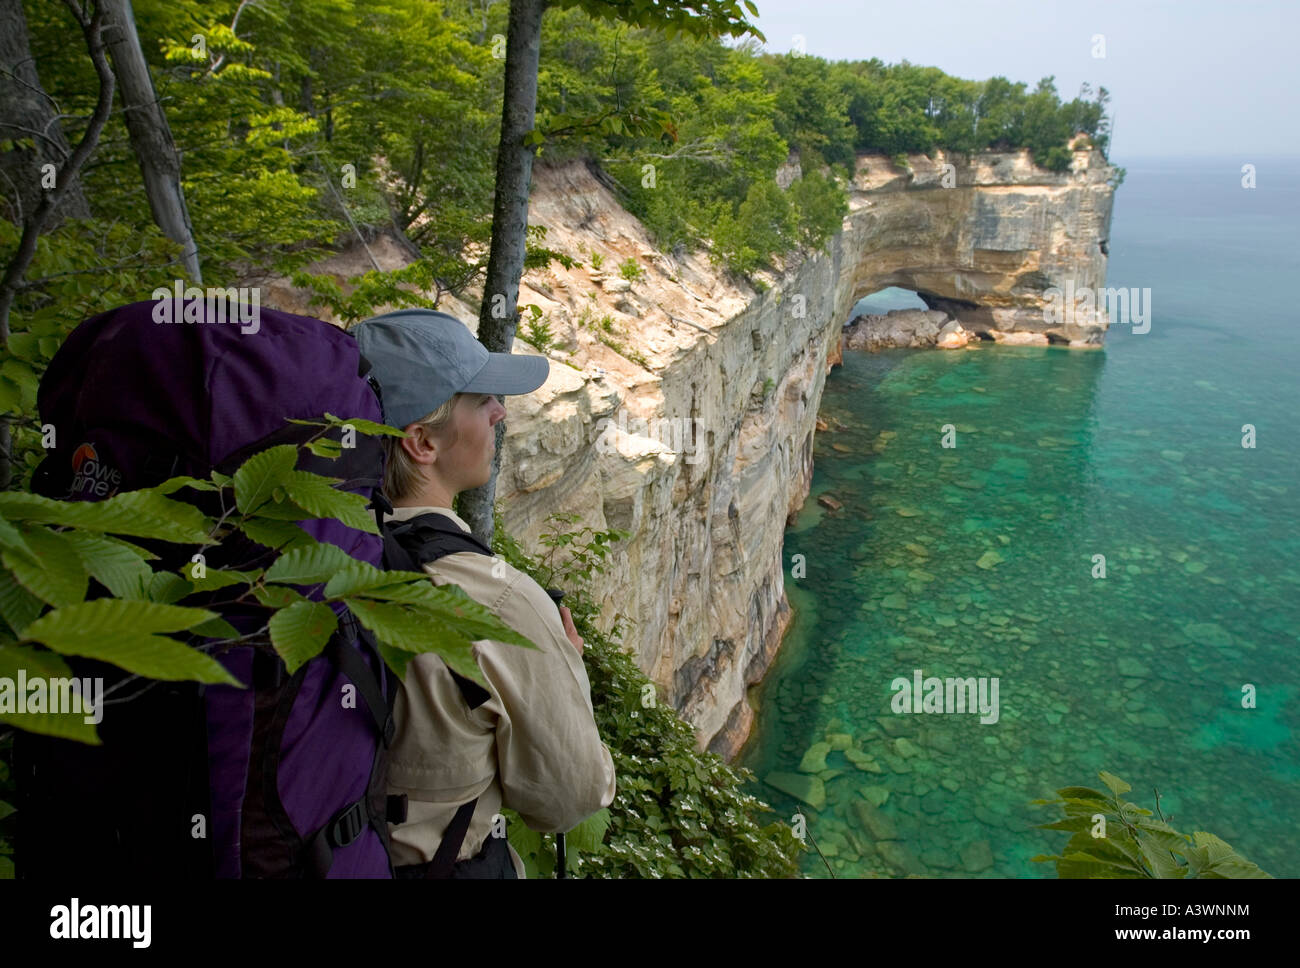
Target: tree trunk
67	179
499	313
27	114
151	138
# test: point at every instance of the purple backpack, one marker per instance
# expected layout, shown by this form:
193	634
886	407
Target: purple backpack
280	779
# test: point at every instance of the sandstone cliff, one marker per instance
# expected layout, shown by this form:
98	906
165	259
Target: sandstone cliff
682	406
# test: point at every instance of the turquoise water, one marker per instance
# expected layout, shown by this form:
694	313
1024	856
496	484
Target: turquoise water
978	560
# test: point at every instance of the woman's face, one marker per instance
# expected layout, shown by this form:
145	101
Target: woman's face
467	443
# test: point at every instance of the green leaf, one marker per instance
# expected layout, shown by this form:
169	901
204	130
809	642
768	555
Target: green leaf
71	726
364	578
1072	824
24	378
11	398
53	573
589	834
1076	808
215	578
1113	783
359	424
449	603
142	514
280	508
475	620
277	535
299	632
397	659
1163	863
117	566
528	844
1213	857
277	596
18	606
262	473
167	588
124	634
316	494
1081	793
176	483
325	447
37	663
216	628
22	345
12	539
310	565
418	631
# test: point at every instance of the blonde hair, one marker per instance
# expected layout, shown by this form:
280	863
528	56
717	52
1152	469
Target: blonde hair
401	474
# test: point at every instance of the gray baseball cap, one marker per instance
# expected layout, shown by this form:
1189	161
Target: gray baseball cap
423	358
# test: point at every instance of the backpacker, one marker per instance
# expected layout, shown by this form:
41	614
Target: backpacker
277	780
408	546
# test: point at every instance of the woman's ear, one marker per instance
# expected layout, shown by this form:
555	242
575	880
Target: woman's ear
419	445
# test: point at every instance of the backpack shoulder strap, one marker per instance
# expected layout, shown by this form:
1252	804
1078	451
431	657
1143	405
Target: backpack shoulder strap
411	544
428	537
408	546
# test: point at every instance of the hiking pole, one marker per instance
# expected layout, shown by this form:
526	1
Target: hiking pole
557	596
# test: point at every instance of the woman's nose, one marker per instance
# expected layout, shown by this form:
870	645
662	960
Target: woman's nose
498	412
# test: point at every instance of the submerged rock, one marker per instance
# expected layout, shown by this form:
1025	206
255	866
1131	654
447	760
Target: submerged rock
977	857
810	789
814	761
839	741
874	822
900	857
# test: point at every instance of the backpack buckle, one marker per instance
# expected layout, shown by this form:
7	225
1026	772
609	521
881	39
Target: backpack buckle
347	825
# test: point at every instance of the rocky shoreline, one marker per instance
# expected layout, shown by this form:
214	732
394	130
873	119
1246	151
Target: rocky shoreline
930	328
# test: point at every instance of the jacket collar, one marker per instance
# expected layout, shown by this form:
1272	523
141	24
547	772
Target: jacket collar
406	513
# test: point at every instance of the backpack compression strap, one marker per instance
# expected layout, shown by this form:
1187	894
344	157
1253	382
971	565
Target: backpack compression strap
408	546
378	696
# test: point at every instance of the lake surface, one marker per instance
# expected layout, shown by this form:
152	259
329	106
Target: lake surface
979	560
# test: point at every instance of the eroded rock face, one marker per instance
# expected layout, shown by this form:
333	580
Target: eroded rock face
682	406
986	249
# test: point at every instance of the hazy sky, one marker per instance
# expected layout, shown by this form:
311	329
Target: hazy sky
1186	77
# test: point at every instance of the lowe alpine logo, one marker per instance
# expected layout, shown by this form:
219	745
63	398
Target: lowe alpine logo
90	476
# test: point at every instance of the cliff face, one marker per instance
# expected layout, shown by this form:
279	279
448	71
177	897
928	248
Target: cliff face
682	408
703	577
983	241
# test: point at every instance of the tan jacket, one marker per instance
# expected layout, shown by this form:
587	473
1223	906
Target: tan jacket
532	747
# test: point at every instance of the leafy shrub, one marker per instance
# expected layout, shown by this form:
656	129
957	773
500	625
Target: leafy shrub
537	329
631	270
1128	843
678	812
